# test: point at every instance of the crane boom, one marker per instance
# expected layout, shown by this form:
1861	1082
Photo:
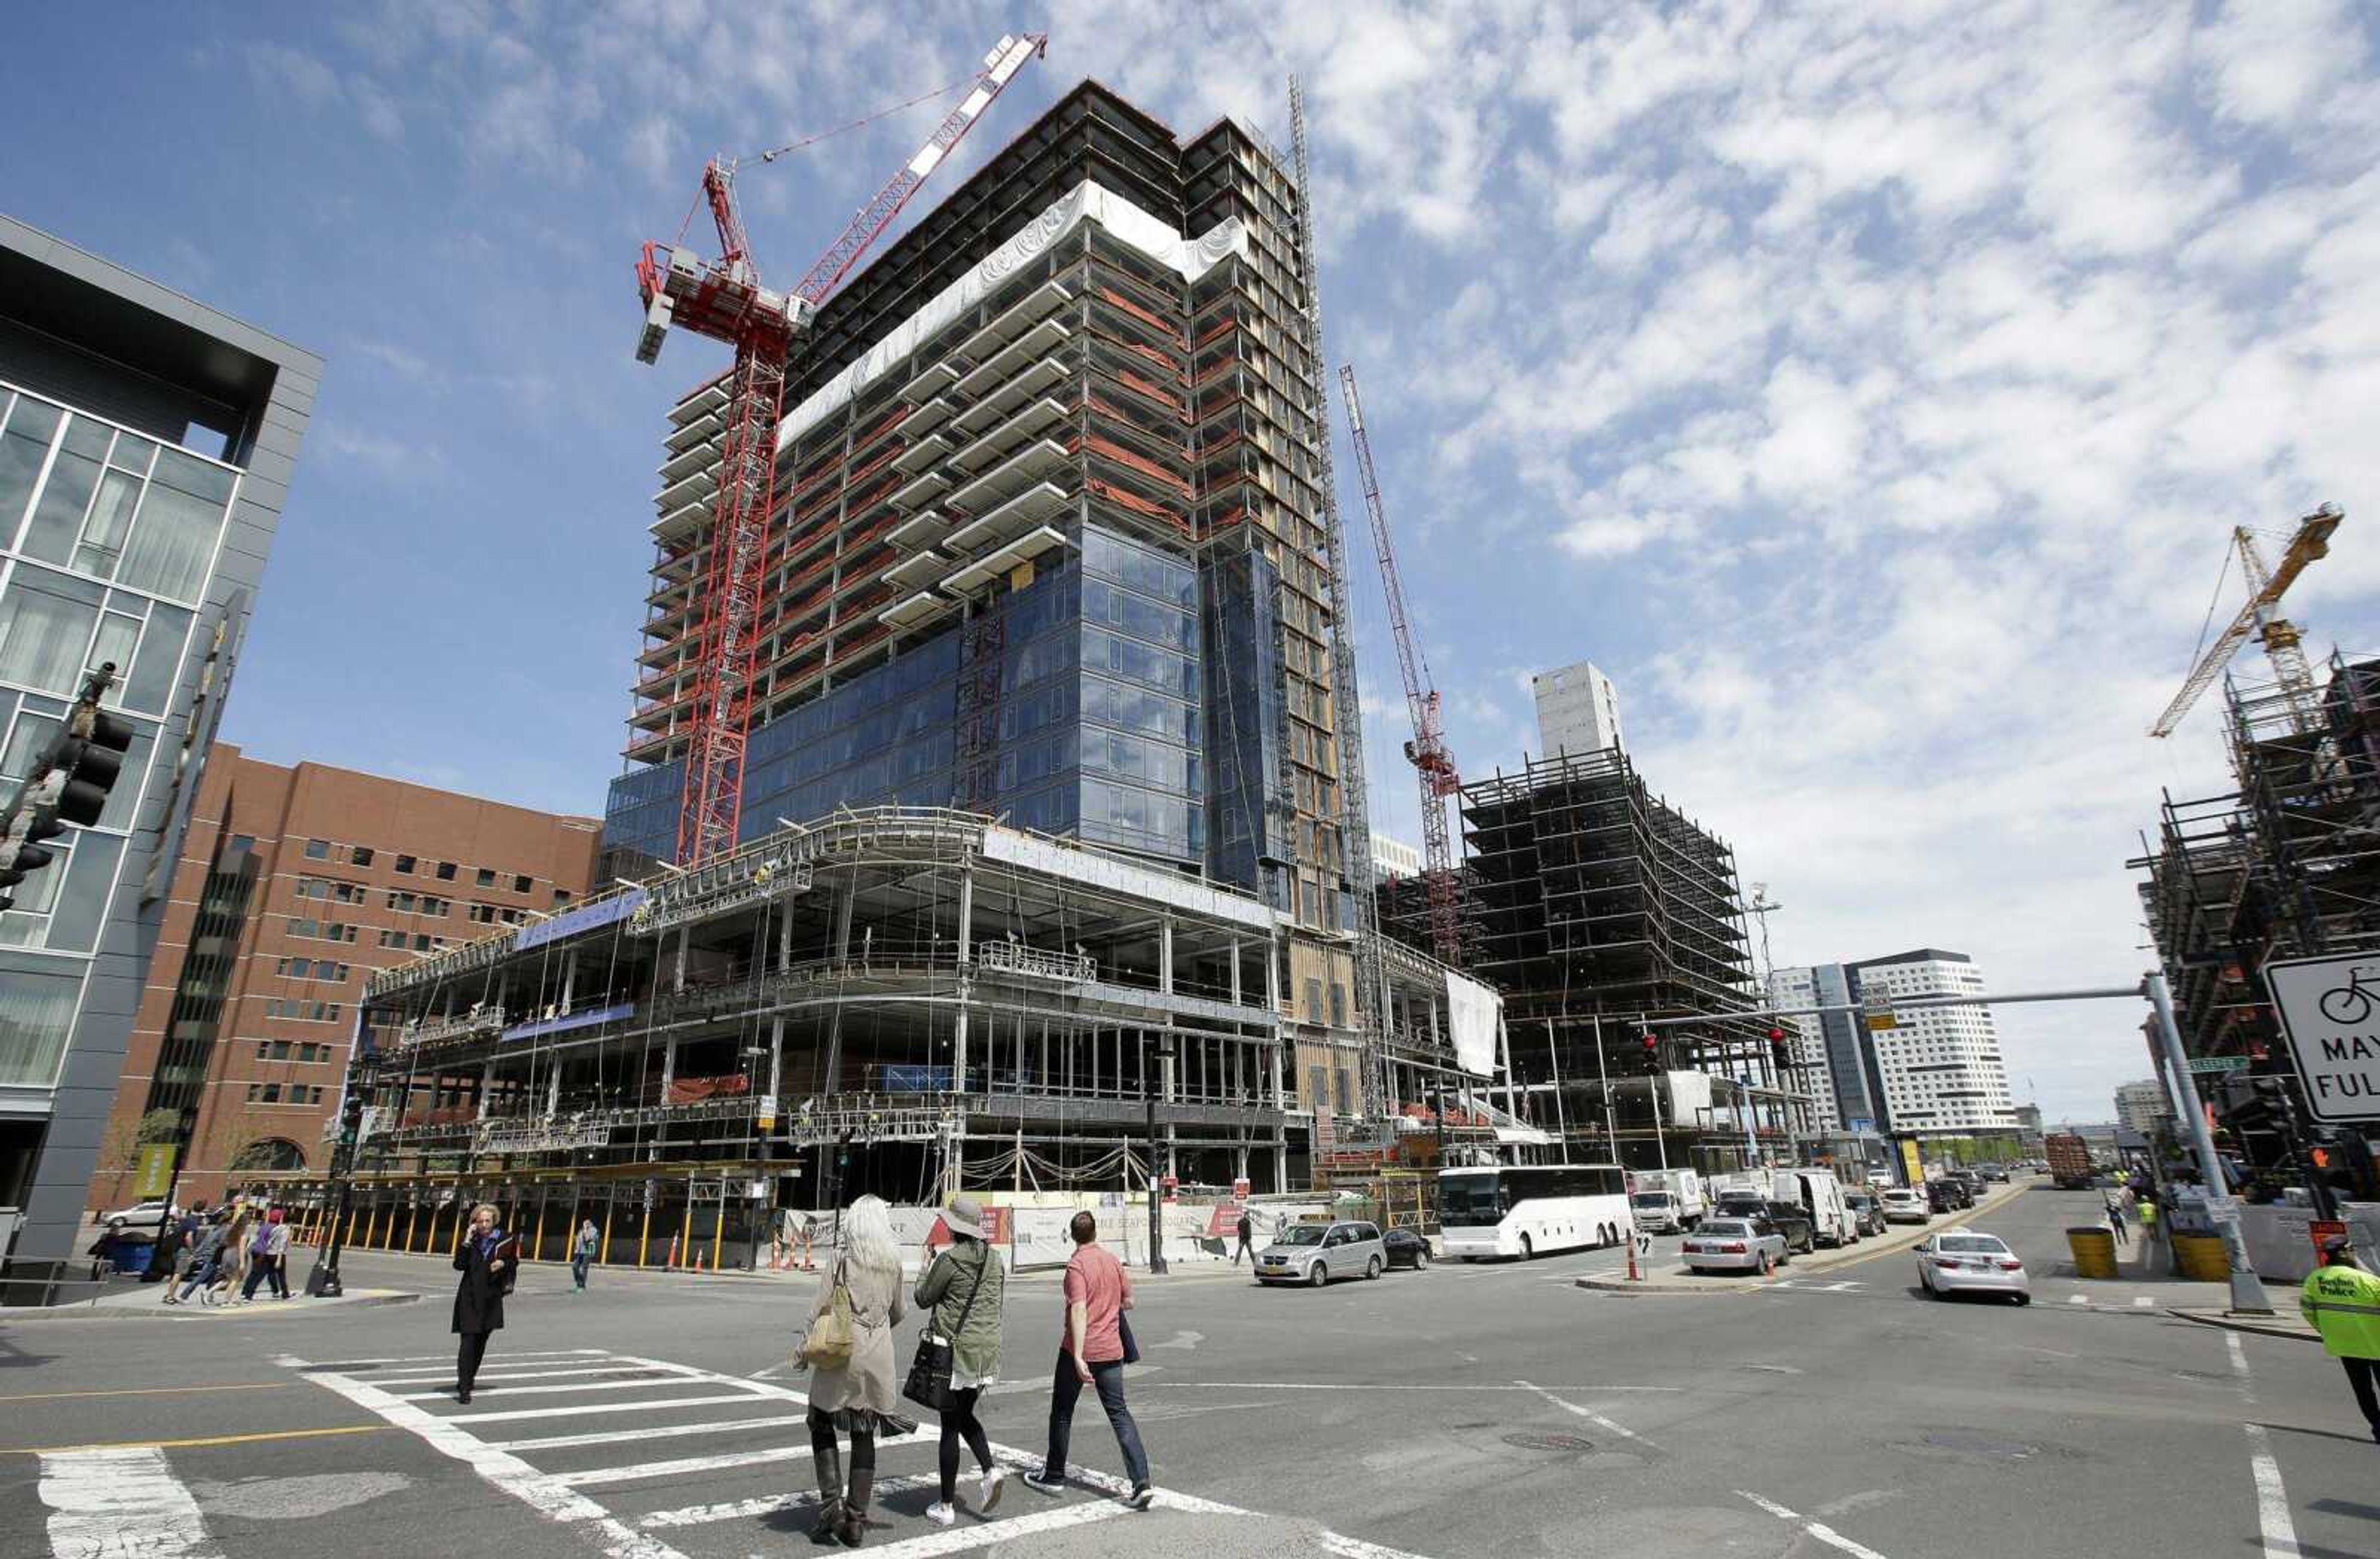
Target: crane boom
724	300
2260	617
1428	750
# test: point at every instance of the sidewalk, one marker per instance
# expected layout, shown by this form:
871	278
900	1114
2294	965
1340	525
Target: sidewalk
147	1302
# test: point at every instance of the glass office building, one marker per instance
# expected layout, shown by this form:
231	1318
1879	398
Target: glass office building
146	446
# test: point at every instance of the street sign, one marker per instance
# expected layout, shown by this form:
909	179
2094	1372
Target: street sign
2330	1014
1880	1013
1861	1126
2218	1062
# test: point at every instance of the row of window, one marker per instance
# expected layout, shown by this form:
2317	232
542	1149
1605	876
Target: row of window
285	1093
418	942
310	968
302	1012
443	871
337	893
309	1051
419	904
324	930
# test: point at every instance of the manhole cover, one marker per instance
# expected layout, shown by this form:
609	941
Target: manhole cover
1550	1442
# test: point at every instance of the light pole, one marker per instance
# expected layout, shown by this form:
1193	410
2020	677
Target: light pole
1165	1057
323	1282
2247	1289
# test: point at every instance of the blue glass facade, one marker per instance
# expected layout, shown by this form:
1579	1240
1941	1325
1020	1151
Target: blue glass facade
1073	704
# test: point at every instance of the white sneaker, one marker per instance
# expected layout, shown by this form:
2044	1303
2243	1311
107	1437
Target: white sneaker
986	1490
940	1515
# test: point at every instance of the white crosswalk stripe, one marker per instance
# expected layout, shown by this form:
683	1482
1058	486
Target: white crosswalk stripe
743	1420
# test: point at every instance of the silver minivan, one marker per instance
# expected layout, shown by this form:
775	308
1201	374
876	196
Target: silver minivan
1316	1252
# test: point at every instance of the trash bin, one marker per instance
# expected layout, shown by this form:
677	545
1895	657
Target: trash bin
2203	1258
2094	1251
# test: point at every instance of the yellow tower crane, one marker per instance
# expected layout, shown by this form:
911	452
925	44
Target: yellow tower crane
2262	617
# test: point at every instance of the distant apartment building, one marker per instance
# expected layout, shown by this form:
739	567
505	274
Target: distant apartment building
293	886
2142	1107
1813	1070
1578	709
1393	858
1937	1069
146	443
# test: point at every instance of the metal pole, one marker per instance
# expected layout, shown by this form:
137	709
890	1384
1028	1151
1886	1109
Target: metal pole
1156	1211
2247	1290
1603	1077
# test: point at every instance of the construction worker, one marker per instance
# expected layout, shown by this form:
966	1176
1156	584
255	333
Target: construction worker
2342	1302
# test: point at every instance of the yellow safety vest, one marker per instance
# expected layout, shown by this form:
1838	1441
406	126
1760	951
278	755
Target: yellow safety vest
2343	1304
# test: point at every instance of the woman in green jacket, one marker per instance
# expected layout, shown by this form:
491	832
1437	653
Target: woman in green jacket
961	1293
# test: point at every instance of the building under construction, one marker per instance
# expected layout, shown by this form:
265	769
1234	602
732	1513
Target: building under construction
1593	906
2288	865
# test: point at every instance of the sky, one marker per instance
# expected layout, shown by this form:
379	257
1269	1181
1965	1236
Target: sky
1870	390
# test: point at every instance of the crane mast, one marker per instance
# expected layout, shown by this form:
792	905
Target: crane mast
1428	750
724	300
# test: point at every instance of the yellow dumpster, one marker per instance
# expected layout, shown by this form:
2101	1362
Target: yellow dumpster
2203	1258
2094	1251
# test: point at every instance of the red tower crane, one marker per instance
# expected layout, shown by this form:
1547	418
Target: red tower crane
724	300
1428	750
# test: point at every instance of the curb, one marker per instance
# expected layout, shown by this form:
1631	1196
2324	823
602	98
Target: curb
2257	1326
201	1312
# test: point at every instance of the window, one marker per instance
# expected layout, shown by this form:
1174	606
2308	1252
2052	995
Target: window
405	865
317	849
445	871
521	884
487	877
173	537
560	895
45	624
360	856
305	928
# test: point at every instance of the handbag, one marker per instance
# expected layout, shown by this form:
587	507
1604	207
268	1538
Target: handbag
828	1342
929	1384
1123	1334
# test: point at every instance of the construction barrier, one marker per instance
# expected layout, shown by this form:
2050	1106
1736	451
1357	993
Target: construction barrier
2094	1251
2203	1258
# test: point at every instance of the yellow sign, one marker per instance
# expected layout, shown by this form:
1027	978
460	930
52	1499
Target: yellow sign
1909	1164
157	1169
1879	1021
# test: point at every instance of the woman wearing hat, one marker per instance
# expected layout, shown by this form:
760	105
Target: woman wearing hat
961	1293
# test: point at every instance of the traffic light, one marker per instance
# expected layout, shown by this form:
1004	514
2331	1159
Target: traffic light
67	783
1777	1048
1652	1052
351	1118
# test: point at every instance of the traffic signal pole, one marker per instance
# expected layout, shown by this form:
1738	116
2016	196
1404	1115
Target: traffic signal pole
322	1281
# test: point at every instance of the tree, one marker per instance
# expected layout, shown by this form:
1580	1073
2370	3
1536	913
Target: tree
119	1150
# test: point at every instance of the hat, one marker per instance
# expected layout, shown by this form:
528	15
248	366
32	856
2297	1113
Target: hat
2332	1244
963	1216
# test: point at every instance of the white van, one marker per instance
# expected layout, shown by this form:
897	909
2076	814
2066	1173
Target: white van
1832	1222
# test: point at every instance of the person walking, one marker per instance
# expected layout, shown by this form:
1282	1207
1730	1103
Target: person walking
2342	1302
204	1259
1093	1353
259	1254
2116	1219
582	1254
962	1293
485	1258
1246	1230
278	1249
855	1398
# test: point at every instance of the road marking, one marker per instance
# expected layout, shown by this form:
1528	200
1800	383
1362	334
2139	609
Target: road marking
770	1504
2239	1366
344	1365
2272	1498
1590	1416
1818	1529
412	1377
510	1392
960	1539
202	1440
2142	1302
121	1502
501	1469
582	1409
621	1436
147	1391
1356	1548
2078	1300
1367	1385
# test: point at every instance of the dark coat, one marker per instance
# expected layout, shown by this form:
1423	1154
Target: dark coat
479	1296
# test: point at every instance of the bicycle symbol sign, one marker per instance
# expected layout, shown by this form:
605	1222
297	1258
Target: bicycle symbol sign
2330	1014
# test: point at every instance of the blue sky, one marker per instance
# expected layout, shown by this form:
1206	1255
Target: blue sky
1869	389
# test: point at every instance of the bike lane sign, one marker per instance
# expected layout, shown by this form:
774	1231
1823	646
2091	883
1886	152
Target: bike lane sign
2330	1014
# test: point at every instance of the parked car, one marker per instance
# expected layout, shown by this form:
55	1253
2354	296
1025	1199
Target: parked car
1735	1245
1405	1248
1868	1209
1792	1223
1972	1182
1993	1172
148	1213
1904	1204
1946	1195
1316	1252
1960	1261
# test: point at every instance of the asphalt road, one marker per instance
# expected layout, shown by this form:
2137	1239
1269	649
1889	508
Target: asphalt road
1488	1410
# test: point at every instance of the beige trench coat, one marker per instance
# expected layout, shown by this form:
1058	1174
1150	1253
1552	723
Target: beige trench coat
871	1380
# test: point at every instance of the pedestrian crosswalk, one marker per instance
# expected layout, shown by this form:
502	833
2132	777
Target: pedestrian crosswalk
655	1459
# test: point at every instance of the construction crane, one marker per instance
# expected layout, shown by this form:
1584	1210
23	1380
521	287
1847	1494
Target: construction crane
724	300
1428	750
2262	617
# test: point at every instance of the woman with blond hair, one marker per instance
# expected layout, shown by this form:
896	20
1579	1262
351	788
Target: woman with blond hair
857	1396
485	1258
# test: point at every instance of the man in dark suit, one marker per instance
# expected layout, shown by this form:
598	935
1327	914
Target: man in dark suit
485	1258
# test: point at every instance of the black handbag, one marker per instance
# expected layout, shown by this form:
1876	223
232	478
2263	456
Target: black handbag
929	1384
1123	1334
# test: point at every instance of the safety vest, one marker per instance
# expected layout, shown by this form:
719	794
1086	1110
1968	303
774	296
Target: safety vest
2343	1304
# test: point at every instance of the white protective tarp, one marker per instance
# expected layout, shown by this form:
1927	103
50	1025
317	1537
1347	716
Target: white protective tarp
1473	1013
1086	203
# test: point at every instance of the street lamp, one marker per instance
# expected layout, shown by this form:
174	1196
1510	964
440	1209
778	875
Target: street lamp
1156	1209
323	1282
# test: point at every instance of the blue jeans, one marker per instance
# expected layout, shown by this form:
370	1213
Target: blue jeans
1065	1388
201	1275
578	1268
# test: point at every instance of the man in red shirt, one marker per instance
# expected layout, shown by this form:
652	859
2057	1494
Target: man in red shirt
1092	1354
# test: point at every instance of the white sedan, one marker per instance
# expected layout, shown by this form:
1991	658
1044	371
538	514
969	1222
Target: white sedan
1960	1260
1737	1245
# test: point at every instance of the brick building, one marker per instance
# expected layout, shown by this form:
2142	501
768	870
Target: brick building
293	886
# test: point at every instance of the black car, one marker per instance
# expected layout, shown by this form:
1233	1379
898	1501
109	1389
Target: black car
1972	1183
1866	1210
1792	1223
1946	1195
1406	1248
1995	1173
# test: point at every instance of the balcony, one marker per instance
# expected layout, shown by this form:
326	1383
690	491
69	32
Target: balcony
1036	343
919	571
1034	506
1038	416
939	377
921	455
925	418
1016	321
1035	463
1045	375
984	569
911	494
915	611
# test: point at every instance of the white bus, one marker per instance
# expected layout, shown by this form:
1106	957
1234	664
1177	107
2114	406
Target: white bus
1528	1210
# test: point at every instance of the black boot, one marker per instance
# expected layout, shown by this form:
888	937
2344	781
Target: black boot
851	1527
830	1488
